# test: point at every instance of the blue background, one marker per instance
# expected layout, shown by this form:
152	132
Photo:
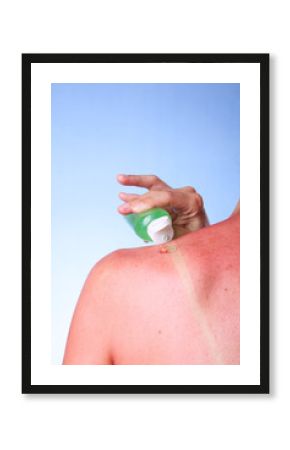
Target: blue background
187	134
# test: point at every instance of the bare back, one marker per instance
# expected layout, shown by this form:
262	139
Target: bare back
174	304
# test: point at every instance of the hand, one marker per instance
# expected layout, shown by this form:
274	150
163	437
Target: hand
184	205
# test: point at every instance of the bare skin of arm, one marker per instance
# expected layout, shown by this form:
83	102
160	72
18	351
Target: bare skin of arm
173	304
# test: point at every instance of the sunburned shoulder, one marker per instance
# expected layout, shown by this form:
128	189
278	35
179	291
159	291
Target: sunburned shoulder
121	271
121	259
197	246
139	292
111	268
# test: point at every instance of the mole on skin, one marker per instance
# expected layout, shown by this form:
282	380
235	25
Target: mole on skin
167	249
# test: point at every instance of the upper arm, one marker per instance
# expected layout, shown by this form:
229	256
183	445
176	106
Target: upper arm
90	334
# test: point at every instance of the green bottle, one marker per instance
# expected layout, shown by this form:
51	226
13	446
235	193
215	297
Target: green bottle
154	225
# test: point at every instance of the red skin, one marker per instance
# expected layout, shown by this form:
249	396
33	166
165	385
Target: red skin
154	306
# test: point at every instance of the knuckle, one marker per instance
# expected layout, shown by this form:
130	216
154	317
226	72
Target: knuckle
155	178
189	189
199	201
168	197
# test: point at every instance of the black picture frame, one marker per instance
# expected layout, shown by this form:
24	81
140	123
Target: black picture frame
263	61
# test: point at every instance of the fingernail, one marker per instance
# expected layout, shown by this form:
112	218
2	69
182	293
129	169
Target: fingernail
125	208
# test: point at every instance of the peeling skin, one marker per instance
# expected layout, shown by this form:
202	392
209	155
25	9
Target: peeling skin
182	270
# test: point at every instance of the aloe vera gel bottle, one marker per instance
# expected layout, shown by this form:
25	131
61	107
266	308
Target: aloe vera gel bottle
154	225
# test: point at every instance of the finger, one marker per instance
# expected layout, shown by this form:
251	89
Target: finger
125	208
189	206
172	200
146	181
152	199
127	197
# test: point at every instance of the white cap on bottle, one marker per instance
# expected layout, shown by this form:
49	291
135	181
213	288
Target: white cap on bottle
160	230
